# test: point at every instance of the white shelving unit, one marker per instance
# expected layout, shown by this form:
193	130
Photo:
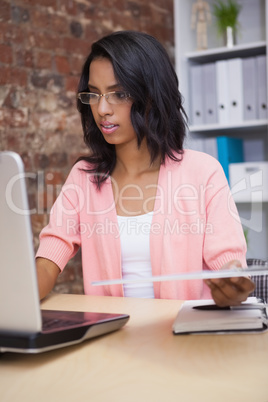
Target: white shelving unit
251	41
247	49
237	127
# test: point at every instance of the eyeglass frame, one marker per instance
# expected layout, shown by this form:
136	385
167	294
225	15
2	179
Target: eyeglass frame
98	96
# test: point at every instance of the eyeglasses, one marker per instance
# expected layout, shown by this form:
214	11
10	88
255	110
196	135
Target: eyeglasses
114	98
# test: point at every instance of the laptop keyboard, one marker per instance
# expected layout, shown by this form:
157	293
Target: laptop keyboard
61	320
55	323
54	320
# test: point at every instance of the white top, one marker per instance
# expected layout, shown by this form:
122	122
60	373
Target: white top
135	253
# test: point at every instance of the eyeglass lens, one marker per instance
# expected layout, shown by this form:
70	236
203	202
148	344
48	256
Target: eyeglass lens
116	97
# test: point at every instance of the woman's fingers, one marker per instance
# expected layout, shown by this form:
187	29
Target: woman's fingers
230	291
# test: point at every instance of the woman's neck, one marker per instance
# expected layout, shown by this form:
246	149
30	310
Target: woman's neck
133	160
135	180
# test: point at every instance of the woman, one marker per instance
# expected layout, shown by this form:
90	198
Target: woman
140	204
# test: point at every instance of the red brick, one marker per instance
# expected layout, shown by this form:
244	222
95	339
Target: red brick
164	4
91	34
75	141
6	54
76	64
54	178
19	77
11	34
44	40
73	124
38	221
24	58
107	4
59	25
76	46
52	4
43	3
91	11
74	156
58	159
4	31
119	5
134	8
128	22
5	75
14	143
71	83
146	10
62	65
43	60
5	11
40	19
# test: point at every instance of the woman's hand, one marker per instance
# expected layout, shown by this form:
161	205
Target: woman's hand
230	291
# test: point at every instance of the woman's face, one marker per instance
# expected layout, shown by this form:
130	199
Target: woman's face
112	120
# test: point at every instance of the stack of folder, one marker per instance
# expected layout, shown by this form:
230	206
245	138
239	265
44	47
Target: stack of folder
228	91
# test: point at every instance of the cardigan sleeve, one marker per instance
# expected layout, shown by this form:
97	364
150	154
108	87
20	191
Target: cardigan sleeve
60	239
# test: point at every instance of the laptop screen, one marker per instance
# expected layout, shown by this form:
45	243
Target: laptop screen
19	298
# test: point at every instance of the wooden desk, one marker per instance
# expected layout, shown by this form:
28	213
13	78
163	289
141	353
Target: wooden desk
143	362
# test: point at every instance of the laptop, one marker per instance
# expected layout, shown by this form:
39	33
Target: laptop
24	327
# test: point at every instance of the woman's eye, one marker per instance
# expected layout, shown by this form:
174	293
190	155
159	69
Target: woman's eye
120	95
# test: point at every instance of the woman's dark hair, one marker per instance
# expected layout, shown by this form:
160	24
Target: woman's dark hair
143	69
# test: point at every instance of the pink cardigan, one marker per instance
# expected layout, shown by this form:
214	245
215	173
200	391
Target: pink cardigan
195	226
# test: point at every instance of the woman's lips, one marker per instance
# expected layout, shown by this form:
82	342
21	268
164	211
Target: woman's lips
108	128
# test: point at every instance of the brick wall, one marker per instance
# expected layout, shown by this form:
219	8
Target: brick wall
43	44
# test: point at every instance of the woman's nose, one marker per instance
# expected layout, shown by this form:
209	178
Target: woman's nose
104	107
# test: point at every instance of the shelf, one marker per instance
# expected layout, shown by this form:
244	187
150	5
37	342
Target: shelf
246	50
246	200
243	126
